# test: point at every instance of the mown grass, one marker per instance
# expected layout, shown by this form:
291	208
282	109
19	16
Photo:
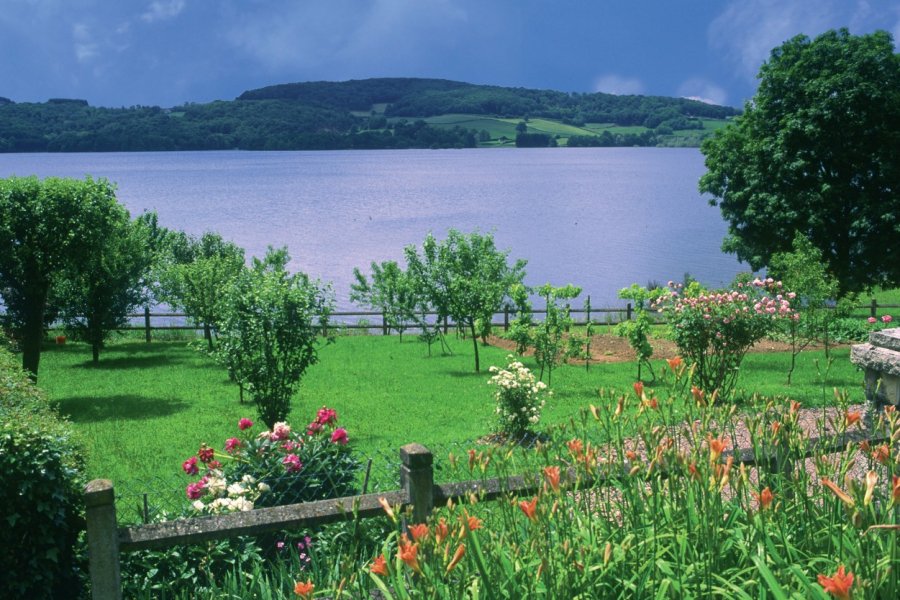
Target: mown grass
147	407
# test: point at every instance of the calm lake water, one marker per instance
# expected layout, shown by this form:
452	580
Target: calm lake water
600	218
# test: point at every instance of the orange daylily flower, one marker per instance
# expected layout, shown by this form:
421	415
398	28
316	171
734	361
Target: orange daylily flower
441	531
409	553
620	404
839	584
418	532
882	454
576	446
795	407
851	417
776	427
379	566
639	389
387	508
530	509
765	498
674	363
895	492
841	494
698	395
472	523
631	455
471	459
457	556
304	590
695	474
551	474
716	447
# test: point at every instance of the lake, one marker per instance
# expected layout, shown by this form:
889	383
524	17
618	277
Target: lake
599	218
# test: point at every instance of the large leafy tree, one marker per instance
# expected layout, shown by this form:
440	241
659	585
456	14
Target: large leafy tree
464	277
817	152
392	290
97	295
47	228
270	330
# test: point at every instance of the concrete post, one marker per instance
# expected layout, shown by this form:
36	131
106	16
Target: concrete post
103	540
417	479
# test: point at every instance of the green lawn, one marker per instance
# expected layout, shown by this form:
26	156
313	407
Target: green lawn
147	407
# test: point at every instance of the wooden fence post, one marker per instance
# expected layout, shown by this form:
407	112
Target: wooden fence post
445	325
103	539
628	311
874	307
506	317
384	327
587	309
147	323
417	479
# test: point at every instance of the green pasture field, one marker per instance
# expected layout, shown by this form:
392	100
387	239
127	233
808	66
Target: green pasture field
147	407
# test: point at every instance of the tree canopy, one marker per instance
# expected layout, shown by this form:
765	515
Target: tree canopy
817	152
48	228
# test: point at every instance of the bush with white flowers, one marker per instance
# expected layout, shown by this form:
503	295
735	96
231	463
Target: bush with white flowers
520	398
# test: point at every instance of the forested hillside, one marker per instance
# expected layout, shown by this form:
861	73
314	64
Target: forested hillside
372	113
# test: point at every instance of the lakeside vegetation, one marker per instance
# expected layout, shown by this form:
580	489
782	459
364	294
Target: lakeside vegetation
366	114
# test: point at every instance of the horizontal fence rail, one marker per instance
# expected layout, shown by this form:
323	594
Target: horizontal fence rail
612	316
106	540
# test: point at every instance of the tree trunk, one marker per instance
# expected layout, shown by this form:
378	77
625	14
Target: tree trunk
95	350
33	330
475	345
207	333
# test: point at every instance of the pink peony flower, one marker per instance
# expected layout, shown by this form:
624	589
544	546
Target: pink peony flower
245	423
339	436
314	428
887	318
190	466
292	463
214	464
872	320
280	431
326	416
196	489
206	453
232	444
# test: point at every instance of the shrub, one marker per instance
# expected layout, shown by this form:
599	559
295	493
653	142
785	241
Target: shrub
276	467
41	494
715	329
519	397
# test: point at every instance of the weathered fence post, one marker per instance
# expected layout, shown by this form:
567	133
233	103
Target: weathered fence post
103	539
874	307
628	311
446	326
506	317
587	309
384	327
417	479
147	323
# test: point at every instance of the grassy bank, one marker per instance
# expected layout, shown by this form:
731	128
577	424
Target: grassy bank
146	407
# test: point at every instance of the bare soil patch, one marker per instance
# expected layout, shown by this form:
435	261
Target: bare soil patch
610	348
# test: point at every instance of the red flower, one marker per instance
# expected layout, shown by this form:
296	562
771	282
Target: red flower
292	463
716	447
551	474
206	453
190	466
408	553
530	509
326	416
698	395
457	556
339	436
232	444
674	363
245	423
379	566
851	417
765	498
639	389
839	584
418	532
304	590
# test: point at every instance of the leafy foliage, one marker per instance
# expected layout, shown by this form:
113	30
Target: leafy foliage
48	228
637	330
464	277
96	296
519	397
270	329
549	337
392	291
41	495
817	152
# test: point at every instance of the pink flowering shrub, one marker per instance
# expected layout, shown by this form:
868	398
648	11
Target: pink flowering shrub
273	467
714	329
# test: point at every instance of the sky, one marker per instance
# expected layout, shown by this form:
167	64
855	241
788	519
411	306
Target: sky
168	52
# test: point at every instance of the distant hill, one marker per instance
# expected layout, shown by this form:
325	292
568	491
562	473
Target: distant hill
370	113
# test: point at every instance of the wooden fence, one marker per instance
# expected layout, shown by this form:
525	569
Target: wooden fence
106	540
616	315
